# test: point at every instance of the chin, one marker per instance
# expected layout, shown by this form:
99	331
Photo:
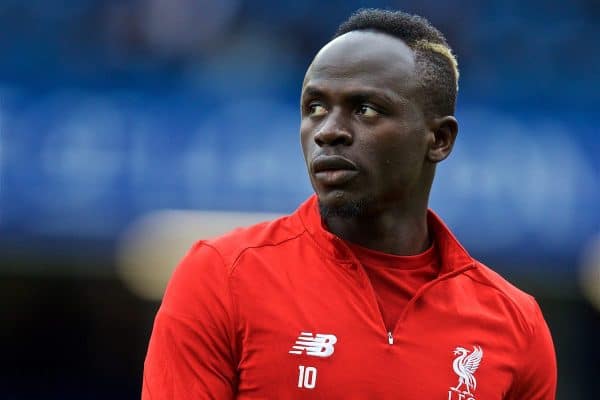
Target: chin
339	204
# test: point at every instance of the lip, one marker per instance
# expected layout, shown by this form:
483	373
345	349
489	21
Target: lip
333	170
331	163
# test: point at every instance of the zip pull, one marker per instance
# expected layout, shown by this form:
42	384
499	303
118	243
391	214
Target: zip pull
390	338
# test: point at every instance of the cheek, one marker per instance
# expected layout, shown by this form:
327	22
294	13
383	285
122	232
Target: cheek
306	139
400	154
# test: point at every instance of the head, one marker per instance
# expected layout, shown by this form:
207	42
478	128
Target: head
377	111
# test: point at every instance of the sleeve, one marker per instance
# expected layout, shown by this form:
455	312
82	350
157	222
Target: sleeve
192	351
537	375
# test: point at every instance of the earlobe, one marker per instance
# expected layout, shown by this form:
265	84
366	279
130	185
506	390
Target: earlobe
444	131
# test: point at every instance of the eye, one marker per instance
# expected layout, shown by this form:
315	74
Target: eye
316	110
367	111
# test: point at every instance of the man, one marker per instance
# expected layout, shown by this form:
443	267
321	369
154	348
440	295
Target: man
362	293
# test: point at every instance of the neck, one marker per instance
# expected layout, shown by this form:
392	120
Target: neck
396	231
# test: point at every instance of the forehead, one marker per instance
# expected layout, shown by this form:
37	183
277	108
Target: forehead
364	59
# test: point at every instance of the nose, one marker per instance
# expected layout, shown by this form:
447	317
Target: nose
333	131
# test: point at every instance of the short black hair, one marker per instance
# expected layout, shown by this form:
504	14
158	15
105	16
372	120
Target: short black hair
437	67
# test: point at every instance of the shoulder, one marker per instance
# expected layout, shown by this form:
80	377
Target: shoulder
491	284
206	269
230	246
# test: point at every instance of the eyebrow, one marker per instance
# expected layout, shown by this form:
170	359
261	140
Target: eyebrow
358	94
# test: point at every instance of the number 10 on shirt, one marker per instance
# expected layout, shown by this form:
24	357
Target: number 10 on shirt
307	377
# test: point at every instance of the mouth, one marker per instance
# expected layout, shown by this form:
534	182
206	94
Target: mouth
333	170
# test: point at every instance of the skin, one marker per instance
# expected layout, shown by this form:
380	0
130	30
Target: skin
360	101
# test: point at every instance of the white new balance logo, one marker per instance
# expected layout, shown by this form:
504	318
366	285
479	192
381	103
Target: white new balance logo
320	345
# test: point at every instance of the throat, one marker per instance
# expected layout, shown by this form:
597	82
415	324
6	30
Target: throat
387	234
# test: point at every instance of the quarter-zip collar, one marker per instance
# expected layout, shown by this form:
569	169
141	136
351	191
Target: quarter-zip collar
452	254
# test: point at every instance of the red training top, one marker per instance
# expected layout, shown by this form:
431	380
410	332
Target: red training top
284	309
396	279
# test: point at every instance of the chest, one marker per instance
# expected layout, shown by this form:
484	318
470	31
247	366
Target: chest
325	338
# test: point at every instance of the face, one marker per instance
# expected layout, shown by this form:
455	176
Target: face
363	133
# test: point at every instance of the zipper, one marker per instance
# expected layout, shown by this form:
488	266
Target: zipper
419	293
366	282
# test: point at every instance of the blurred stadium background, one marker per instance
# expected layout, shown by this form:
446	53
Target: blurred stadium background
128	129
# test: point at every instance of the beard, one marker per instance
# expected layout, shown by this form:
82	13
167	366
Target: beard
347	209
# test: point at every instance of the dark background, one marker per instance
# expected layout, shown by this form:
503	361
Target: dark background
112	112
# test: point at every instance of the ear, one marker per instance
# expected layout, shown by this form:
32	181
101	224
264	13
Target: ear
443	134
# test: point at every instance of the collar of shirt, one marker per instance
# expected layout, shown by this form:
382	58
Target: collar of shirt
378	259
452	255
